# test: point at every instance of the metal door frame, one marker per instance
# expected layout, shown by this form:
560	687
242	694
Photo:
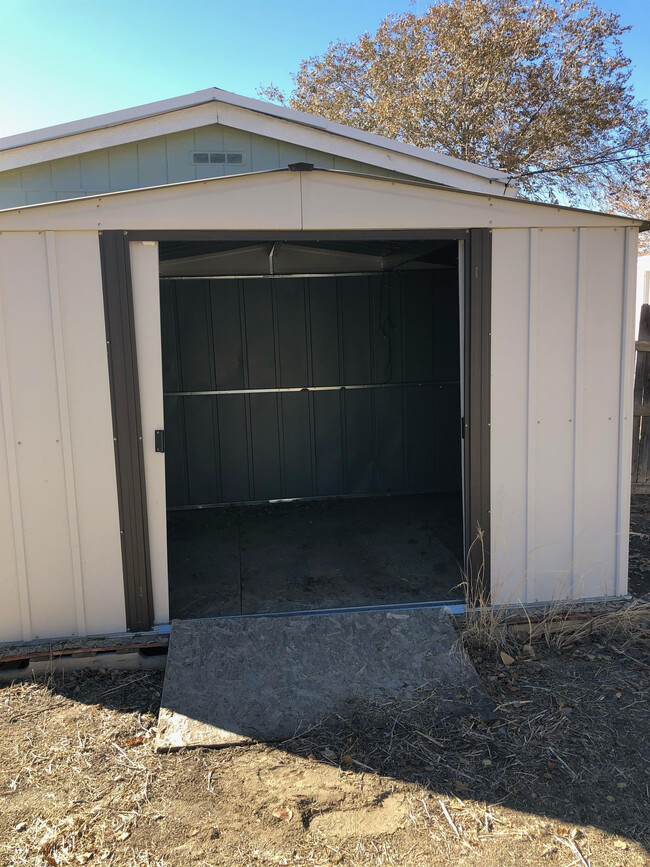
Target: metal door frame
125	395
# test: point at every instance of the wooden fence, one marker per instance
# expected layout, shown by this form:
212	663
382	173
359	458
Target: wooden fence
641	441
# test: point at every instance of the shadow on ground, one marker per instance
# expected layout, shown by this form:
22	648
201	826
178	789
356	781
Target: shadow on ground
639	569
569	744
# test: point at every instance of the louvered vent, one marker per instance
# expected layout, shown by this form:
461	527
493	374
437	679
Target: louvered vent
232	158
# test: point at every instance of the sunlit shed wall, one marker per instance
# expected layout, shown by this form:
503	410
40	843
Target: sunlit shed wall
561	364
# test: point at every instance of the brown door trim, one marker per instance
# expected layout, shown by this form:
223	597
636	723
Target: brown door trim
127	429
125	398
478	292
296	235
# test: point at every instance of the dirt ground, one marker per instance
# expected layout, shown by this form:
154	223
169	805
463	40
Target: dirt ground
559	776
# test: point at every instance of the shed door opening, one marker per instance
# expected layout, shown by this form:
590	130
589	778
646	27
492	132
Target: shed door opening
312	417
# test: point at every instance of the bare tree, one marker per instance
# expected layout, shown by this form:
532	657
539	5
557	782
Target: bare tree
634	201
539	89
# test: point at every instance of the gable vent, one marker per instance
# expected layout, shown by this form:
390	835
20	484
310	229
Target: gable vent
233	158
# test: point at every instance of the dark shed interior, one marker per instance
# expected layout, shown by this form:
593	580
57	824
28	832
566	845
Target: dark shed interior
312	417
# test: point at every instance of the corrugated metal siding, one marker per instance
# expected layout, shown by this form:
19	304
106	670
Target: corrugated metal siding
399	331
160	160
561	425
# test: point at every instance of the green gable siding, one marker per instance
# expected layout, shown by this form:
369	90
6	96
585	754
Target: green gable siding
161	160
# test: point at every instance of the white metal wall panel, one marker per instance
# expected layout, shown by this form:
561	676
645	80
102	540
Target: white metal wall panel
559	474
11	626
598	448
33	394
339	201
509	413
92	459
267	201
146	309
554	271
316	201
60	552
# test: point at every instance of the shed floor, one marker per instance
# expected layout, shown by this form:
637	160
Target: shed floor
320	554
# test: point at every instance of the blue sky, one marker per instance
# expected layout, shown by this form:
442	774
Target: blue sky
61	60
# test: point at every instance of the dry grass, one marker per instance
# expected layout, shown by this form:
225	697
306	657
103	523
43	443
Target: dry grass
515	628
66	736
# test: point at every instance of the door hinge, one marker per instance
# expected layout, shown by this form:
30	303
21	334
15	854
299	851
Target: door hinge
160	440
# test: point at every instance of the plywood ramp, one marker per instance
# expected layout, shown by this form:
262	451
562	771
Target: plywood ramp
236	680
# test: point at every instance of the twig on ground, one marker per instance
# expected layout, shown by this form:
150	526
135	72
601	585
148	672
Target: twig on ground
449	819
132	763
573	846
562	762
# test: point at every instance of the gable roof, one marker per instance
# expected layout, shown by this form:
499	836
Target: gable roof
214	105
299	201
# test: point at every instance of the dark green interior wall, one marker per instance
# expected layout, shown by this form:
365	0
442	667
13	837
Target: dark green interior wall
395	334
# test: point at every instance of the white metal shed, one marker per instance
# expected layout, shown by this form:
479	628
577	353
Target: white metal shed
547	301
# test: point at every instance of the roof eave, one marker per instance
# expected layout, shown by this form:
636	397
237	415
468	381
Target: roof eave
141	112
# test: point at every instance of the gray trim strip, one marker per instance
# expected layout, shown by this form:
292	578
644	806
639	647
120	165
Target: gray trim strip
452	606
282	276
320	499
478	271
127	431
308	388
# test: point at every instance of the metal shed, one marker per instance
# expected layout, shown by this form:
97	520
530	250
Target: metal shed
307	334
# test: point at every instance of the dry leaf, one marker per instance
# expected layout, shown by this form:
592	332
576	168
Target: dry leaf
347	760
620	844
610	798
125	835
283	813
21	826
506	659
486	762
